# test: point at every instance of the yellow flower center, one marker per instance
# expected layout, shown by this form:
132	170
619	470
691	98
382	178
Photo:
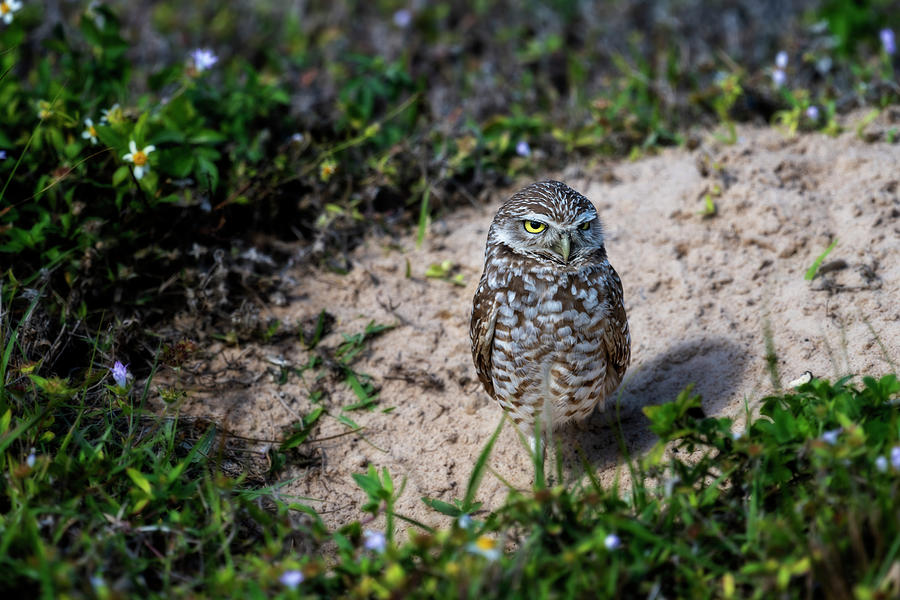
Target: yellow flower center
139	158
92	131
4	8
485	543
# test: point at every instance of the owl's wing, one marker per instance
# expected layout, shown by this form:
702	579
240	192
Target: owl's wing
481	331
616	337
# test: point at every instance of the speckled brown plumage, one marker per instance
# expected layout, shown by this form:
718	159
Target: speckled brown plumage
549	332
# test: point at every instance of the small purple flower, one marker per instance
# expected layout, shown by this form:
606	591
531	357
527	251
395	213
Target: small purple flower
779	78
203	59
895	457
831	437
30	459
465	521
881	464
375	541
812	113
297	138
888	42
2	154
781	59
612	542
402	18
120	374
523	149
291	578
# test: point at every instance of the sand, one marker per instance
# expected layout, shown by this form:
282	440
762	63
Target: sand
699	291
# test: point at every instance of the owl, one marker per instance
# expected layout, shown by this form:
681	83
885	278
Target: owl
549	332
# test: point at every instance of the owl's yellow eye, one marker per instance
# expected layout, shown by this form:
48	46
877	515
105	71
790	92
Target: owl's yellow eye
585	226
534	226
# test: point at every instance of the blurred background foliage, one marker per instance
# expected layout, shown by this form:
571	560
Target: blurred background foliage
320	121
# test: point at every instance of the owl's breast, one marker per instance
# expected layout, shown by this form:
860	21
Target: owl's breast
548	340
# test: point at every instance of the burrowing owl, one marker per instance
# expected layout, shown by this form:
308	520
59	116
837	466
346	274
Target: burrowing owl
549	333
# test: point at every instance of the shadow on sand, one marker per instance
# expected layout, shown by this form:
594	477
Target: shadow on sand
714	365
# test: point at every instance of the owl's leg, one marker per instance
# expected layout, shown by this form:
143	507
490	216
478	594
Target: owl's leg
535	445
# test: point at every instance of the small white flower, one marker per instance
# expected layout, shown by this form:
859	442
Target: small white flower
523	149
736	435
297	138
291	578
831	437
90	132
465	521
806	377
779	78
2	154
485	546
91	12
375	541
881	464
7	8
895	457
203	59
612	542
112	115
30	459
97	581
781	59
812	113
139	158
402	18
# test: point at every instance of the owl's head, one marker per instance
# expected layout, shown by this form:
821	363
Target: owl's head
548	220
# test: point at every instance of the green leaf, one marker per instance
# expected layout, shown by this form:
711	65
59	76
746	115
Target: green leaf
206	172
347	421
363	392
317	334
200	449
112	138
306	427
121	174
139	480
177	161
207	136
445	508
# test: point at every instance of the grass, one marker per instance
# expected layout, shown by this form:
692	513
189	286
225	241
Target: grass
101	497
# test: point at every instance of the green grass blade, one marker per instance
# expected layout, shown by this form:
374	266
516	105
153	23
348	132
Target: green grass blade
478	469
811	272
423	216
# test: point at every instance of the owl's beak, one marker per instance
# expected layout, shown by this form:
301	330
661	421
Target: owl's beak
563	246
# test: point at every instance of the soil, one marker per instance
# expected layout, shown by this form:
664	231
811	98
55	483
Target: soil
701	291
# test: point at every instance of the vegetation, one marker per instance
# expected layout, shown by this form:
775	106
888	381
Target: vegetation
135	169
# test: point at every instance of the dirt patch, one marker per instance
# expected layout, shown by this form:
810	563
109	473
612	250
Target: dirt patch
698	291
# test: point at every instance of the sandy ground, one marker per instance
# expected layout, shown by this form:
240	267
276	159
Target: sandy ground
698	292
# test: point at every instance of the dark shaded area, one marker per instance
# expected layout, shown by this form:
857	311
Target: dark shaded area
714	366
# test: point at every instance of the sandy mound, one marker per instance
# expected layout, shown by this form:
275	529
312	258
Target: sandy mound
698	291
